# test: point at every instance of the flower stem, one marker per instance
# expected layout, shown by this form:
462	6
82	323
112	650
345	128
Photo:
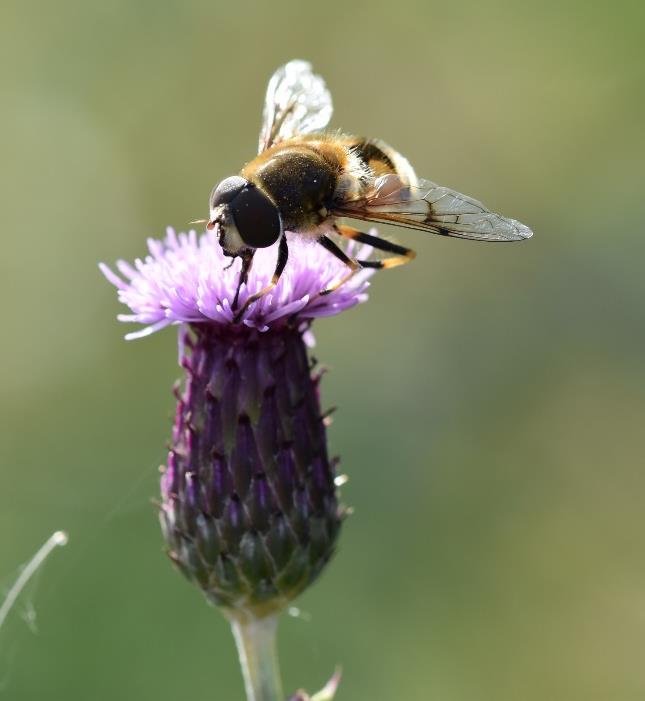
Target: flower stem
256	647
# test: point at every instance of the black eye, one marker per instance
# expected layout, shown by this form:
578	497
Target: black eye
257	219
227	190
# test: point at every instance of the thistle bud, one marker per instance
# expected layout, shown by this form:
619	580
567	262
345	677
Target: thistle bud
249	509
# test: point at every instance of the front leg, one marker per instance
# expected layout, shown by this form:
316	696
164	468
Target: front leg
247	262
283	256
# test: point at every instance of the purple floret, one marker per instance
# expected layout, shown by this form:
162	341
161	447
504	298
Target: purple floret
184	279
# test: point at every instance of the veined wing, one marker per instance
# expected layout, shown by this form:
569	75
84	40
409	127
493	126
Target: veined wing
297	102
430	207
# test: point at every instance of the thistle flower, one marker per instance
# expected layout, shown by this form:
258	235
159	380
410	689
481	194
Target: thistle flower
187	279
249	509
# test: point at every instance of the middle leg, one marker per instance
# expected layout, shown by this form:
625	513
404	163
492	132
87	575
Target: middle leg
403	255
335	250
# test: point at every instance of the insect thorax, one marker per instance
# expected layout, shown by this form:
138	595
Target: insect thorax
306	176
300	181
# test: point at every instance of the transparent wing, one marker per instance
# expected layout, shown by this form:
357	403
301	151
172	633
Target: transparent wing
297	102
430	207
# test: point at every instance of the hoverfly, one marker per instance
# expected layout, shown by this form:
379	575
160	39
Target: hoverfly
303	179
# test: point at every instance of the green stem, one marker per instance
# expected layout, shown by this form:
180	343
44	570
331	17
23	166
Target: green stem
256	647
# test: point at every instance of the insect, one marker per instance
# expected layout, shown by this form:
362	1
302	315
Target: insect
304	179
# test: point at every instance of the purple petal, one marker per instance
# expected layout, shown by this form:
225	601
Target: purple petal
184	279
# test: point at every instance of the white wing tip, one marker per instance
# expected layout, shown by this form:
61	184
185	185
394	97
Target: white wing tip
523	232
513	230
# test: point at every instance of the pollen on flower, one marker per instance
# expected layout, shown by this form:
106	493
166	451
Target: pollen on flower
186	278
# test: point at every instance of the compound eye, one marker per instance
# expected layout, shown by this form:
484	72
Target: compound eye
257	219
227	190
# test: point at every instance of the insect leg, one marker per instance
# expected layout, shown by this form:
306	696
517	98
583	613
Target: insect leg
335	250
247	261
283	255
404	255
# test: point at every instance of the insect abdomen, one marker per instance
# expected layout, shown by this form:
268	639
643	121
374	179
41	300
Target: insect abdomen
373	156
381	159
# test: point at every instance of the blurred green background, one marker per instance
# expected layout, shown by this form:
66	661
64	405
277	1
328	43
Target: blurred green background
492	398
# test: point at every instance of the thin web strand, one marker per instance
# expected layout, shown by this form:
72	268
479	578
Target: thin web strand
59	538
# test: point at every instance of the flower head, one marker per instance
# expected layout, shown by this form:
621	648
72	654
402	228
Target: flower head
187	278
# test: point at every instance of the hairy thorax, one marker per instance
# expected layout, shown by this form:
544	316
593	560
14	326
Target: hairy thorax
299	180
308	175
